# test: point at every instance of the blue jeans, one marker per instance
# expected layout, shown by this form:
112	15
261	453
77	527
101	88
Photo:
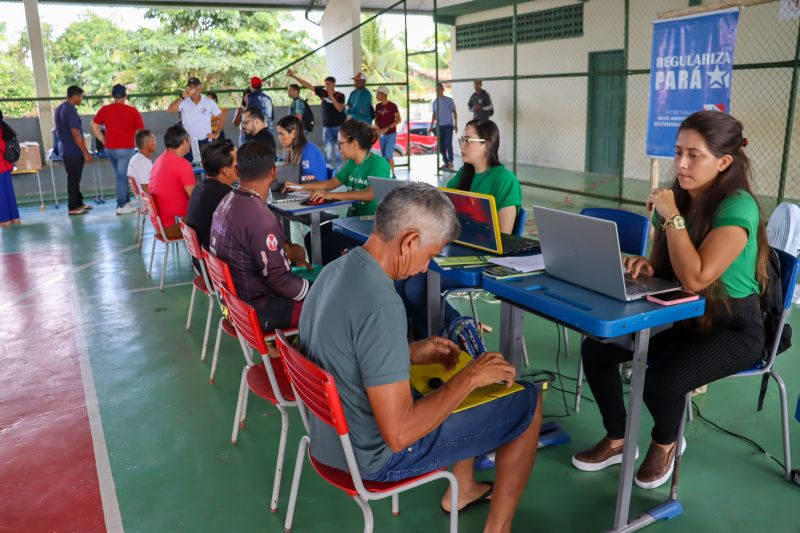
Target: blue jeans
119	159
446	143
8	200
330	138
469	433
388	141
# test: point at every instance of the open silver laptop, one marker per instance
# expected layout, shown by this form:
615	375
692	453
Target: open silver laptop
383	186
194	144
585	251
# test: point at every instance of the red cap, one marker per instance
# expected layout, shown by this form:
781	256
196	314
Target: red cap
255	81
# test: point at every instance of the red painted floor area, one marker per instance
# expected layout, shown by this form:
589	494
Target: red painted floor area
47	463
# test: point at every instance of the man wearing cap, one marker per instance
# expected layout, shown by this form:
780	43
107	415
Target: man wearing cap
261	101
121	122
333	116
359	103
196	111
387	117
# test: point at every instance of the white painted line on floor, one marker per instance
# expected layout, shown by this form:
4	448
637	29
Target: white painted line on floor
108	492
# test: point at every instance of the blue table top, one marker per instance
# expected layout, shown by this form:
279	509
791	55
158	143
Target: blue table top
359	229
588	311
296	208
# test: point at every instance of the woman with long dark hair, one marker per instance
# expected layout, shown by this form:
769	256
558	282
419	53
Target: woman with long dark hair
710	238
9	213
298	150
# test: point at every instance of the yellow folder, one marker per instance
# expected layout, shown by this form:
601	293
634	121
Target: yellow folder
421	375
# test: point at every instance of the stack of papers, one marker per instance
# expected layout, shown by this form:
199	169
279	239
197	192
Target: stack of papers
522	263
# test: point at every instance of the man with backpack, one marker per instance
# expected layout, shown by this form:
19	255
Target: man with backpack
300	109
260	100
9	154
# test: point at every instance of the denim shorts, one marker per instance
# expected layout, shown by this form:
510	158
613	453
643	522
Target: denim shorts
463	435
388	142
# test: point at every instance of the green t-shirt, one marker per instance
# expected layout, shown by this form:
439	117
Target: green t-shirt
497	181
355	178
739	209
353	324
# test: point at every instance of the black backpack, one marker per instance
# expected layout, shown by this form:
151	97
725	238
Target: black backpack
308	117
12	152
771	310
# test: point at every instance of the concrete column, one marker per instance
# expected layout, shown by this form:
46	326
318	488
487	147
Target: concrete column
344	56
40	78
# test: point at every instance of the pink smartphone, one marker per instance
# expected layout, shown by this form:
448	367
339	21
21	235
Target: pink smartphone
677	296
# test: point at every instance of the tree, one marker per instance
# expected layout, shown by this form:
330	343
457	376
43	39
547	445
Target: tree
16	80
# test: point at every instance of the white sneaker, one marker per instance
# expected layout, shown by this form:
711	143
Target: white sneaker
126	209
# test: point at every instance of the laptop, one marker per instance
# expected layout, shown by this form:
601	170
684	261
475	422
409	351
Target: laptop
284	173
383	186
480	226
195	146
585	251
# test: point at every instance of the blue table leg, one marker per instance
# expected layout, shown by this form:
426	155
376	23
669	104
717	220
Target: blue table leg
433	282
316	239
511	333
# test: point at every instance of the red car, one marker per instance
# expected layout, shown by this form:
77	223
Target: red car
419	142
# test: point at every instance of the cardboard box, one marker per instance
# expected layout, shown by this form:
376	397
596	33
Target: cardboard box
30	156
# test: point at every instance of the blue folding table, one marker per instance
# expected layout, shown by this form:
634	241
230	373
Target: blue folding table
600	317
295	210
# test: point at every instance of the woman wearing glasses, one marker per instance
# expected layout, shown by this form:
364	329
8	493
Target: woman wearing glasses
355	142
483	173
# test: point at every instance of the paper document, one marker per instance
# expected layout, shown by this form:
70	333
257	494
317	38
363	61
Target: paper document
523	263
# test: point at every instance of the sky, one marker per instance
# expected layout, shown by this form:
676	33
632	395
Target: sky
59	16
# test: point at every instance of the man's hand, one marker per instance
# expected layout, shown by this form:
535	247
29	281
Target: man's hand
476	107
290	73
87	157
382	131
489	368
434	350
297	255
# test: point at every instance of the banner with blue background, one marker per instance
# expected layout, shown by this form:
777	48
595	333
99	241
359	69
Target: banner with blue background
690	70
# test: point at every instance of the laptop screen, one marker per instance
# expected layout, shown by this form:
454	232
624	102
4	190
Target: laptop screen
478	218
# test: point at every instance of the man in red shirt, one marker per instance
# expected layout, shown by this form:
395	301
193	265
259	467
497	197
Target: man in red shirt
387	117
121	121
172	180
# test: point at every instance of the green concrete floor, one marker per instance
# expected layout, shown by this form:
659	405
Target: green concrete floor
168	431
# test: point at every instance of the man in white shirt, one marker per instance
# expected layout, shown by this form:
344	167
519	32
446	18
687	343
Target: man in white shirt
140	166
196	111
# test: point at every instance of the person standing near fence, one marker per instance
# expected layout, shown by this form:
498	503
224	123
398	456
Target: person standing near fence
445	122
298	107
69	130
237	118
121	121
333	116
197	110
218	122
260	100
9	213
387	117
359	103
480	103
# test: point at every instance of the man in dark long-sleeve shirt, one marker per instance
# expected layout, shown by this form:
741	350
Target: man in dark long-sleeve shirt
480	103
249	237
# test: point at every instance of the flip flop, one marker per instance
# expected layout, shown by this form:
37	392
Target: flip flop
483	498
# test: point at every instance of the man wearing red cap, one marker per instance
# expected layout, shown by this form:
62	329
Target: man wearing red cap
261	101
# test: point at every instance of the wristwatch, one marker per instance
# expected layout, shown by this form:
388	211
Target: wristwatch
675	221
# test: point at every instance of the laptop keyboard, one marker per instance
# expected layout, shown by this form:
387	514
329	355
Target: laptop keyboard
514	244
635	289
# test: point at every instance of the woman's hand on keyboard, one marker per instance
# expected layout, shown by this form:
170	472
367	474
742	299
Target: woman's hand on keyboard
636	264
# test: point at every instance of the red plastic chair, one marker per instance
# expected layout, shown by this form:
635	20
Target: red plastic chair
159	236
200	283
266	379
315	390
138	234
220	275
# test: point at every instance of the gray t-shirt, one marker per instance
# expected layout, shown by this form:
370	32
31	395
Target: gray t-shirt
353	325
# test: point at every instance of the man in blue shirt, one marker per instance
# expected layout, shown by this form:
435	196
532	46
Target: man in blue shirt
359	103
445	117
261	101
72	148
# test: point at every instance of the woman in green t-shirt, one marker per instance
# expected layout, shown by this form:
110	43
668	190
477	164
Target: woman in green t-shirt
355	142
483	173
711	239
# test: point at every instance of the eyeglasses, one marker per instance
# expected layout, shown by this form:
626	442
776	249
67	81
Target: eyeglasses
467	140
340	143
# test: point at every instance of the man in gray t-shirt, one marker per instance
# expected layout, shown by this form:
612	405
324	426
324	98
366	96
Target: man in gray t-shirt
353	324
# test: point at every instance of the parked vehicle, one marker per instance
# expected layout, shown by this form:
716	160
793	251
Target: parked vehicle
419	142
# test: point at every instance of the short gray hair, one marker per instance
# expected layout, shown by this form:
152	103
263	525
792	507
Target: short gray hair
417	206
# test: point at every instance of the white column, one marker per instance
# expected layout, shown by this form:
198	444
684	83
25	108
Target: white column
40	79
344	56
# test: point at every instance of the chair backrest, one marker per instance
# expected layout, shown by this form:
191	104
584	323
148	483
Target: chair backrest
219	272
191	239
790	266
313	387
134	186
245	320
519	222
151	209
633	229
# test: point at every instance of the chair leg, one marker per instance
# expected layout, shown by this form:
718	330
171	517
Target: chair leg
474	311
787	454
673	493
243	414
164	267
276	483
136	228
298	470
366	510
141	234
395	504
579	385
208	327
525	358
689	410
191	306
453	502
566	341
216	351
152	255
243	390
